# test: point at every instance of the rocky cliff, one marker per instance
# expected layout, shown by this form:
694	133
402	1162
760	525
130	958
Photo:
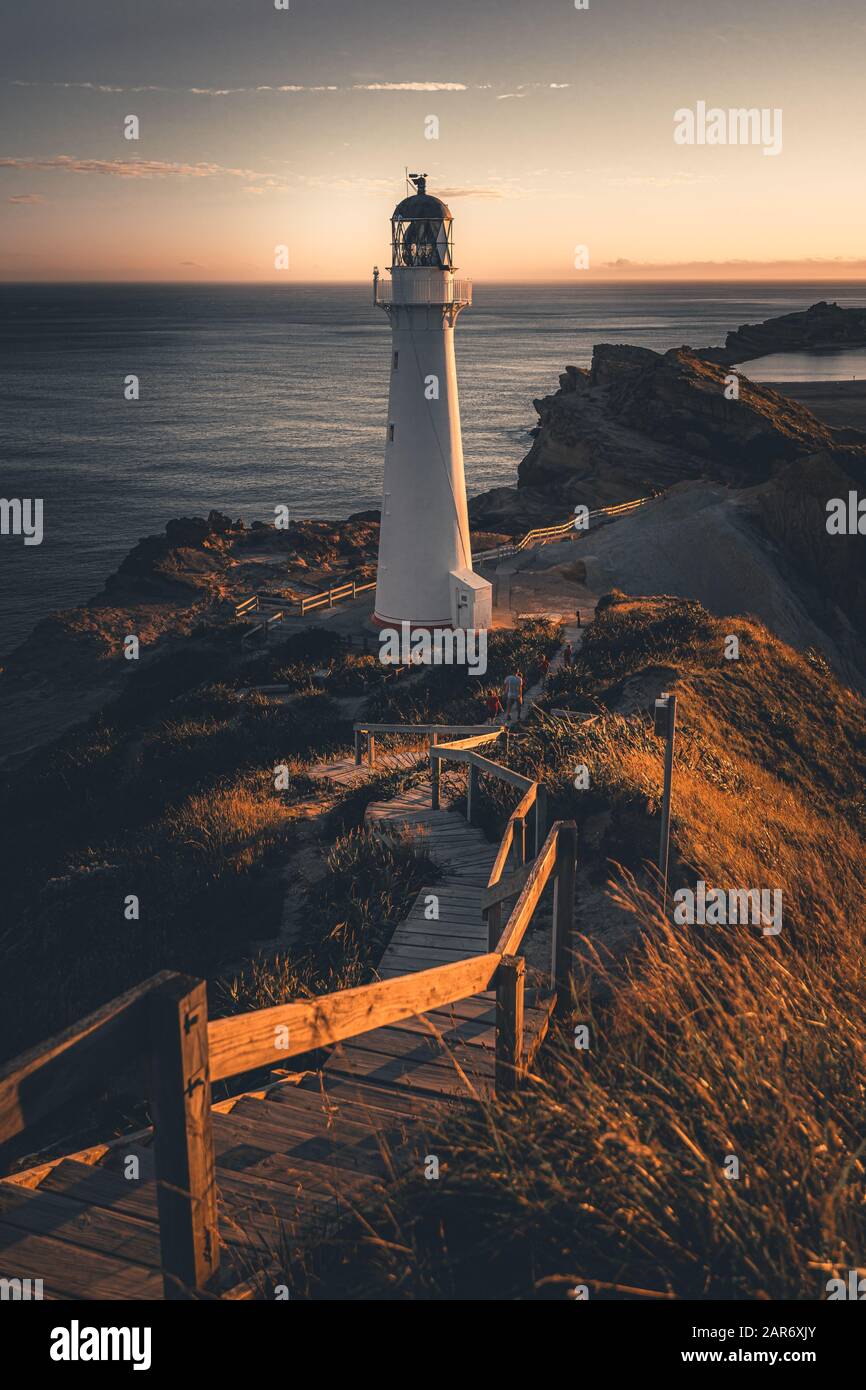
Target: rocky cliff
638	420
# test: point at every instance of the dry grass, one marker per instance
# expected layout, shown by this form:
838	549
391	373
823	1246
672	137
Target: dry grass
705	1042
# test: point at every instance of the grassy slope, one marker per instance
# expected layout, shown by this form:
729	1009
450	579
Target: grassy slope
169	795
705	1042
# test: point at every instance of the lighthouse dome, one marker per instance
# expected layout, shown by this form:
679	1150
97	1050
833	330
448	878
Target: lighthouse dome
422	205
421	229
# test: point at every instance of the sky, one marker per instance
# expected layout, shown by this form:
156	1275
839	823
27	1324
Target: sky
554	137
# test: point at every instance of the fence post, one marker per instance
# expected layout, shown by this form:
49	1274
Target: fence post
435	771
471	792
494	925
371	750
510	978
183	1136
357	747
354	588
330	597
519	842
563	912
540	818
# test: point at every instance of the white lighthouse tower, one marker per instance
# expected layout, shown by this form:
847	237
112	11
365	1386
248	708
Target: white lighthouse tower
425	574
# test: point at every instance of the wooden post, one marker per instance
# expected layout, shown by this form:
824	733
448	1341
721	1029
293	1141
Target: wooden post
519	842
563	912
540	818
510	980
435	772
354	588
330	597
494	925
371	751
183	1136
357	747
472	792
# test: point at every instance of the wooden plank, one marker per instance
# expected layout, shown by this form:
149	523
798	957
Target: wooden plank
422	1047
521	913
97	1188
82	1057
183	1136
467	945
427	957
299	1139
252	1040
340	1090
420	1078
71	1272
89	1228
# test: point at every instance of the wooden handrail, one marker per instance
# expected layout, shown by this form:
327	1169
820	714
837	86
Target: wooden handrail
161	1027
80	1059
521	913
542	534
465	730
269	1036
465	755
334	594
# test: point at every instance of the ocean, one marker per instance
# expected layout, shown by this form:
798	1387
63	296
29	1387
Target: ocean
254	396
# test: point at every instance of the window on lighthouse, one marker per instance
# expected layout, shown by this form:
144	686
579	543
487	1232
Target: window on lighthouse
422	242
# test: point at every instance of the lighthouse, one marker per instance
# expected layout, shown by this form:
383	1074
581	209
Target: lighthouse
425	576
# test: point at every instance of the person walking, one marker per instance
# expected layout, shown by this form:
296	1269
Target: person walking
566	655
493	707
513	696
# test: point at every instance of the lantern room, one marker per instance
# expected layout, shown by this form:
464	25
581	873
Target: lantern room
421	230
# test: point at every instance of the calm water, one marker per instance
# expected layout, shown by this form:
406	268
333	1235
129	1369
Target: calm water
258	395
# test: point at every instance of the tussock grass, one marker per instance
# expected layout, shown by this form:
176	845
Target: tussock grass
349	915
609	1170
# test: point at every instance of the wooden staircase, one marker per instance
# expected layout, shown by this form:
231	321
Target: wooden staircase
226	1188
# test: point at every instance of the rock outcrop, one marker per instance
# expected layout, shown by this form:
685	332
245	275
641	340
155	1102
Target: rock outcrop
638	420
809	330
822	325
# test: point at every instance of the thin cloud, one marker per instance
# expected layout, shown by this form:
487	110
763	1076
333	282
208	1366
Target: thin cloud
89	86
471	193
410	87
834	262
26	198
295	87
128	168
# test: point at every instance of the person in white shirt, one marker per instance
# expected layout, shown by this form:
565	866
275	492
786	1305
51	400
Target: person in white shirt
513	696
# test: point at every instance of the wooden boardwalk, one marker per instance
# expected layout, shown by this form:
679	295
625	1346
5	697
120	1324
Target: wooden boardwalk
303	1153
445	924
